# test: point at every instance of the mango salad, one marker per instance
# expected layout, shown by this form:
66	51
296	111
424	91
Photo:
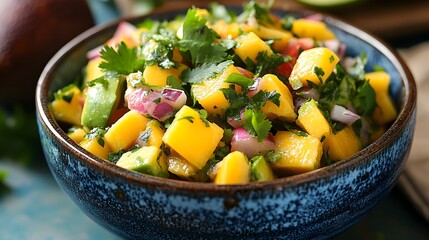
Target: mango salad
224	97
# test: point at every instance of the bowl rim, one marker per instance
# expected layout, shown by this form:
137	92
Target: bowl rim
106	167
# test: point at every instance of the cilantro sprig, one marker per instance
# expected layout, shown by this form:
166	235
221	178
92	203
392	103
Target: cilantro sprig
123	60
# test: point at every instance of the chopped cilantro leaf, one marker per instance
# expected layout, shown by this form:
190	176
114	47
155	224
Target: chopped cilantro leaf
364	100
203	116
173	82
220	12
199	40
265	63
122	61
256	124
260	98
203	72
100	80
260	12
158	49
239	79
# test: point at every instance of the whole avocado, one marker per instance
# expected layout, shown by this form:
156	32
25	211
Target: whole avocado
31	32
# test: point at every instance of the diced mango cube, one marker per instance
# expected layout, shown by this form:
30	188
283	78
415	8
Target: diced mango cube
385	110
152	135
148	160
226	30
157	76
208	92
311	65
306	28
191	137
299	154
280	37
285	110
67	105
180	167
312	120
233	169
250	45
124	133
96	146
92	69
342	144
77	134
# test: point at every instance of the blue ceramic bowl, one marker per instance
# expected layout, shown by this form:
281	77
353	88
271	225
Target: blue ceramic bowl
319	204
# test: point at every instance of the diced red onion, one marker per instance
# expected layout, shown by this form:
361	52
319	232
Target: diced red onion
299	102
94	53
242	141
161	111
254	88
343	115
175	97
245	72
310	93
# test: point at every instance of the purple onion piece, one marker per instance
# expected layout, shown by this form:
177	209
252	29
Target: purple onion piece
171	94
343	115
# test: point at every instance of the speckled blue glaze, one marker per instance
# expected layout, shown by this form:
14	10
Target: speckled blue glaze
315	205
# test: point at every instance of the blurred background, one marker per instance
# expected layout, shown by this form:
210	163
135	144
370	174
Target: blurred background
32	206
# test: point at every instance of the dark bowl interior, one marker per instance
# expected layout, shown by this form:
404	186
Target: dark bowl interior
347	189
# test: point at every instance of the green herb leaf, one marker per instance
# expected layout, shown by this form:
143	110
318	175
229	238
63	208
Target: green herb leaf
122	61
364	100
239	79
256	124
203	72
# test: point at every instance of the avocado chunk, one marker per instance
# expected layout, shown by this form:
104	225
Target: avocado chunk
101	99
148	160
260	169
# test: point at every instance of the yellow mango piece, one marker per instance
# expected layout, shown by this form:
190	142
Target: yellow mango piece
311	120
77	134
250	45
285	110
226	30
124	132
342	145
233	169
299	154
280	37
312	64
153	133
180	167
385	111
96	146
208	93
157	76
191	137
92	69
65	109
305	28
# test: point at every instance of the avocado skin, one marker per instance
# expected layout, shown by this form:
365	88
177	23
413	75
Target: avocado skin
101	99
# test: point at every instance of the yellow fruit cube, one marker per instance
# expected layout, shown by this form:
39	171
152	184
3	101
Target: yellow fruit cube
77	134
124	132
157	76
226	30
233	169
280	37
311	65
191	137
67	105
299	154
92	69
342	144
180	167
250	45
312	120
152	135
385	110
96	146
208	93
285	110
306	28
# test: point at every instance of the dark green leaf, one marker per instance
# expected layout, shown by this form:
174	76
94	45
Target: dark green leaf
122	61
203	72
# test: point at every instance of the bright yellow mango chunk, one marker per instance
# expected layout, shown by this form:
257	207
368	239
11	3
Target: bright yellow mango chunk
77	134
305	28
233	169
191	137
299	154
67	107
311	65
180	167
153	133
96	146
157	76
385	111
92	69
285	110
250	45
208	93
281	38
124	132
226	30
342	144
311	120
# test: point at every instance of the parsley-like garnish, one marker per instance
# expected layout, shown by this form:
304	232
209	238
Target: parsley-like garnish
239	79
265	63
122	61
199	40
203	72
158	49
203	116
257	11
256	124
101	80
